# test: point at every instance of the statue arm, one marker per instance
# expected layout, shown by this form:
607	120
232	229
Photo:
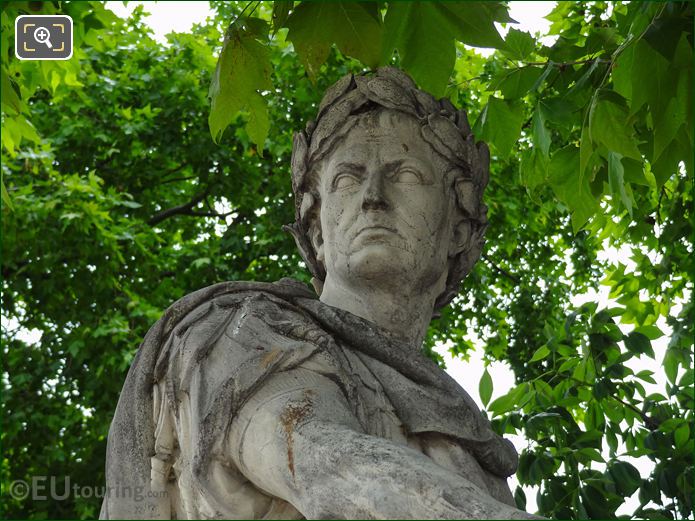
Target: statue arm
298	440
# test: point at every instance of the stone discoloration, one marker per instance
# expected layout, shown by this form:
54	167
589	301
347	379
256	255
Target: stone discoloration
269	358
293	414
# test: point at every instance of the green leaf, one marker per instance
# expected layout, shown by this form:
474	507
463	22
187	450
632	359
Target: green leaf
586	151
200	262
473	22
687	379
569	187
616	181
550	68
541	135
608	124
653	80
681	435
626	477
614	411
518	45
646	375
592	454
671	365
11	102
540	354
281	11
423	33
533	168
499	124
315	26
520	498
668	163
420	32
593	417
506	402
621	75
640	344
485	387
6	196
664	33
668	121
243	70
517	82
651	332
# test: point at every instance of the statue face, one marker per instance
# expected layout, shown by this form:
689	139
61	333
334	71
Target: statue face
385	206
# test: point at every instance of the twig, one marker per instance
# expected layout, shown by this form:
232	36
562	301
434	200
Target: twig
658	205
468	80
240	14
650	422
561	65
177	179
209	214
185	208
499	270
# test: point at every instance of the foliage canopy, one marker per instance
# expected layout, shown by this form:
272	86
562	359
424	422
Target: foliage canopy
116	201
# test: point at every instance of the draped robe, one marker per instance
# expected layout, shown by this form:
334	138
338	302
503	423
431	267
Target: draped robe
168	453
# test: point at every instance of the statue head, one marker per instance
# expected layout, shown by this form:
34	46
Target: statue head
387	177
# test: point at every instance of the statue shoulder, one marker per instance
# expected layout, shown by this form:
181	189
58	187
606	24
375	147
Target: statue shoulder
206	355
196	306
236	321
229	294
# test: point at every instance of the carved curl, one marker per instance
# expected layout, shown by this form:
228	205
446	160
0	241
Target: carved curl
444	128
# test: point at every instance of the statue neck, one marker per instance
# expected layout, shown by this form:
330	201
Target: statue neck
404	311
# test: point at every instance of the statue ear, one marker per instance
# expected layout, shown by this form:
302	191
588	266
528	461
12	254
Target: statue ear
460	237
316	239
468	206
317	243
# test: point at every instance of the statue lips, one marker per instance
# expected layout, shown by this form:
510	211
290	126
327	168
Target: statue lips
375	233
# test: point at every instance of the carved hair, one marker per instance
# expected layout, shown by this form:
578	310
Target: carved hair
445	129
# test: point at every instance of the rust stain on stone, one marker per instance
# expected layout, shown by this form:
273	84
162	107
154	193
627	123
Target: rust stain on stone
294	413
270	357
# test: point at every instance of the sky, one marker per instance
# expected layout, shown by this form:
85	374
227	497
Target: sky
167	16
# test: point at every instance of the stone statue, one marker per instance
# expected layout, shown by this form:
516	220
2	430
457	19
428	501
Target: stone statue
260	401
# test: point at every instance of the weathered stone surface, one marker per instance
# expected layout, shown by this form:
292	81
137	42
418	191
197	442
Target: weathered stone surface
252	400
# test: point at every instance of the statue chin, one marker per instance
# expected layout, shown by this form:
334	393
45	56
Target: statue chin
381	264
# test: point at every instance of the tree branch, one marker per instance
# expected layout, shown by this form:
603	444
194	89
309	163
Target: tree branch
177	179
182	209
499	270
562	65
650	422
210	214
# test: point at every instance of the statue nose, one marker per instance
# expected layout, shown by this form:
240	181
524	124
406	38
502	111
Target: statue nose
374	197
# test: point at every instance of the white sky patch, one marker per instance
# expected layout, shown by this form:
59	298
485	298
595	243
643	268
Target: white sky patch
223	206
12	329
529	17
166	17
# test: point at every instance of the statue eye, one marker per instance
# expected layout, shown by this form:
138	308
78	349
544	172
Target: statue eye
345	181
407	176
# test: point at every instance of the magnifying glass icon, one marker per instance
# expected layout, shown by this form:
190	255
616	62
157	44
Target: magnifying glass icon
43	35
